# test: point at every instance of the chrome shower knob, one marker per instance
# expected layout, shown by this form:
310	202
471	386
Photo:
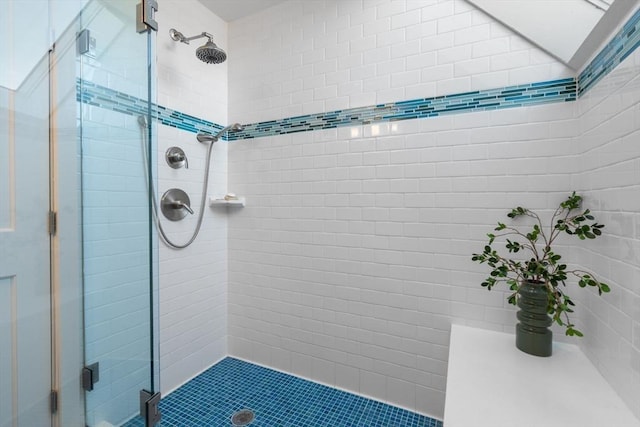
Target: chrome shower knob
176	158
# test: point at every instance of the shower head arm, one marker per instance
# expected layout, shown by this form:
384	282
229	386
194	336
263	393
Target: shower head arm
178	36
188	39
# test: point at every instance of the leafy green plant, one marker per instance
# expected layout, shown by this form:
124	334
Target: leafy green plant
544	265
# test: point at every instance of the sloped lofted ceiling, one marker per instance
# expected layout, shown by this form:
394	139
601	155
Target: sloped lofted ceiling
570	30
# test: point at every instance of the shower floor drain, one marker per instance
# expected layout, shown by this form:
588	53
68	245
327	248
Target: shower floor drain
242	417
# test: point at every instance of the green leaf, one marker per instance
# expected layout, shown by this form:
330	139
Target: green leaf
572	202
517	212
571	331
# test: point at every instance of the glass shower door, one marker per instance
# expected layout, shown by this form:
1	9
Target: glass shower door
114	87
25	287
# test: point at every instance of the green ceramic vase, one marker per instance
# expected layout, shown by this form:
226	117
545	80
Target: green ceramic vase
532	333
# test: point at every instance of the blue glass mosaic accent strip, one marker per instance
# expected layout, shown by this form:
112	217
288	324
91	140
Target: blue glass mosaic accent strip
621	46
277	399
480	100
507	97
92	94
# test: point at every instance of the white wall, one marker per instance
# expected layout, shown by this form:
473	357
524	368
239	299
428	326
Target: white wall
46	20
193	296
352	257
22	53
303	57
609	177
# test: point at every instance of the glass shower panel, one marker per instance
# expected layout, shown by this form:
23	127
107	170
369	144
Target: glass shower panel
113	85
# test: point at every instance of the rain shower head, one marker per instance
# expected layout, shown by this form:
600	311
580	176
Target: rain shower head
205	137
209	52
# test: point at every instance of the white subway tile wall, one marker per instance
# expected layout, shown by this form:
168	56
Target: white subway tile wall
352	257
193	281
609	176
303	57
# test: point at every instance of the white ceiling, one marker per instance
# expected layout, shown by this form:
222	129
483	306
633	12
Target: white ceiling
230	10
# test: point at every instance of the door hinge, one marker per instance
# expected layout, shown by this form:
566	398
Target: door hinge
90	376
86	44
149	408
53	222
53	400
145	19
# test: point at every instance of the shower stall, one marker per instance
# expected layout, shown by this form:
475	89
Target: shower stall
78	248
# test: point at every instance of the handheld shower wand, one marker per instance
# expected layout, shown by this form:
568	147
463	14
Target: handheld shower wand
205	137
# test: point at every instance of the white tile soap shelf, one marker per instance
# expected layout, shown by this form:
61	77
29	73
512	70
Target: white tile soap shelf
227	200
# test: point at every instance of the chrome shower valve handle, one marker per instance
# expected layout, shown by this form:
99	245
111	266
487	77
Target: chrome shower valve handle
179	204
175	204
176	158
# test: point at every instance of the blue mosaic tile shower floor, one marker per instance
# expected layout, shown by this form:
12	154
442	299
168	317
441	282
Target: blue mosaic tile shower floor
278	400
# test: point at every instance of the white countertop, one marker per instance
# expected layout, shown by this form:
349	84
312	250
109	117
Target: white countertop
491	383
